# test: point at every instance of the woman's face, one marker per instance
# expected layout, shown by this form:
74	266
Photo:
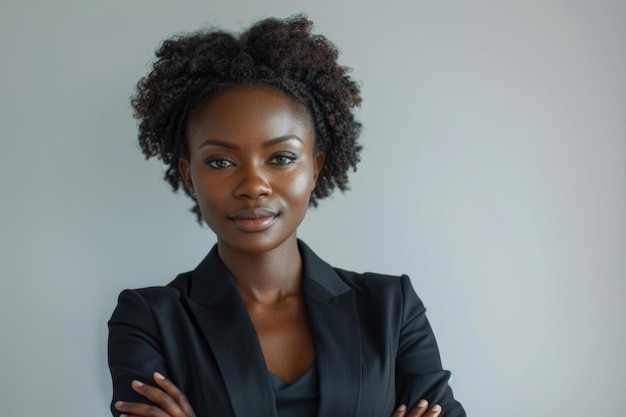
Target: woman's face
252	166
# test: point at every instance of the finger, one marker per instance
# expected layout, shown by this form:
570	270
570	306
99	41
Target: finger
173	391
139	410
400	412
420	409
434	411
132	415
159	397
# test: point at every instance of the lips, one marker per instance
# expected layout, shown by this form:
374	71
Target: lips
254	220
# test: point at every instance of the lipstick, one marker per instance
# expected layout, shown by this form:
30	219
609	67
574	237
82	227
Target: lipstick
254	220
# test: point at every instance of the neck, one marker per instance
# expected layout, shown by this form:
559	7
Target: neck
268	277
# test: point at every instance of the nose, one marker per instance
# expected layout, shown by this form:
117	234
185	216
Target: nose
253	184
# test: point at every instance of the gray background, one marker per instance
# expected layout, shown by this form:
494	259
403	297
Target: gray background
493	173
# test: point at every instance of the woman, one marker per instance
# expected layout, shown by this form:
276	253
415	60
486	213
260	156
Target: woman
255	129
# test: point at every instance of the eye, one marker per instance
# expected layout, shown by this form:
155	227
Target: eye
285	158
218	163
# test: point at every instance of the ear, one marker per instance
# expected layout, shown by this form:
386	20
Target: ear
185	172
318	162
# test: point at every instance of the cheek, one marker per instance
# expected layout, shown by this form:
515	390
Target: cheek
211	215
211	198
300	188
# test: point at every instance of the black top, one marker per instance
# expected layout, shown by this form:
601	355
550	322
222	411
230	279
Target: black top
299	398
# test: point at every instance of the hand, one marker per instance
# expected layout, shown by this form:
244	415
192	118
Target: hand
169	400
420	410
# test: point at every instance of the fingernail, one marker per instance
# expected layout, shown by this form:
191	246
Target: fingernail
158	375
436	407
119	404
402	407
422	403
137	383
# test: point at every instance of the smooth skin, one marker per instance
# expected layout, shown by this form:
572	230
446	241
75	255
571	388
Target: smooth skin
253	148
252	166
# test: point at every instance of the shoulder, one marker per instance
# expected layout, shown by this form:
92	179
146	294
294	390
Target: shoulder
373	281
153	298
390	289
336	279
369	280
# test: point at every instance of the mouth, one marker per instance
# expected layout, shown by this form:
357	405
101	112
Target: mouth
254	220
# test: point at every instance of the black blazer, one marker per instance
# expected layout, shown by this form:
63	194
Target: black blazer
374	347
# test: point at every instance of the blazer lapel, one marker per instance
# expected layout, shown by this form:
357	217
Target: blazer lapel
226	325
227	328
332	313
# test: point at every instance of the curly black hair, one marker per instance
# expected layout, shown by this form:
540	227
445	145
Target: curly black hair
279	54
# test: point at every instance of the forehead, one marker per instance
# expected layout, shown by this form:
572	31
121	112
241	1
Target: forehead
245	110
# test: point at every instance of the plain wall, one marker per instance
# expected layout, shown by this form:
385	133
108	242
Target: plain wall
493	174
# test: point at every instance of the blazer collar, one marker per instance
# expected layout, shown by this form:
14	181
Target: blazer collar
226	325
211	279
331	305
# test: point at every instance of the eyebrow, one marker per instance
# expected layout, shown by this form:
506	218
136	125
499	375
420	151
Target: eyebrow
267	144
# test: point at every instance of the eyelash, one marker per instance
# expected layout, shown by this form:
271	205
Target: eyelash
285	155
212	161
288	156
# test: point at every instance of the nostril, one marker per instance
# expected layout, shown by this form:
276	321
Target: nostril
253	186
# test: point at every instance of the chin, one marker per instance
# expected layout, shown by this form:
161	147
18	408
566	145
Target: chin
255	243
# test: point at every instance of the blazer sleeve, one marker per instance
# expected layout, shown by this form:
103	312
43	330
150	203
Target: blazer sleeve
419	373
134	347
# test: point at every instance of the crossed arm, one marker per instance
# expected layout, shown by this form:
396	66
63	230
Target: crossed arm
418	369
169	401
